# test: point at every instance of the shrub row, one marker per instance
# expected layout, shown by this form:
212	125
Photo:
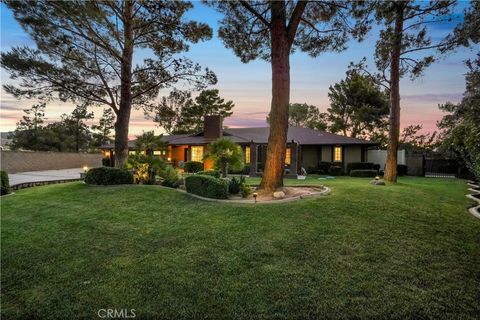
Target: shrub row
108	176
193	166
363	173
207	186
359	166
335	171
213	173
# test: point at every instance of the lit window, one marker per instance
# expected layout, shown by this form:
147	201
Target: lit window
247	154
337	154
197	153
157	153
288	155
132	152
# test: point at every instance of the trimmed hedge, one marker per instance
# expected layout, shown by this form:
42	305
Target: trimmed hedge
401	170
193	166
335	171
5	183
359	166
363	173
213	173
324	167
108	176
207	186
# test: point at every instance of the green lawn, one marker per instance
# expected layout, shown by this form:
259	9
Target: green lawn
406	251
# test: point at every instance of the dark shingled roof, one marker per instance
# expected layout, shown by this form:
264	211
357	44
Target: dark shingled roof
300	135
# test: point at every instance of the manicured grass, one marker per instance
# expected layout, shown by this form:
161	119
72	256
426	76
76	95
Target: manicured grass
406	251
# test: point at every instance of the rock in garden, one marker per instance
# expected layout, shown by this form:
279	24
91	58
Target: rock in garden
377	182
279	194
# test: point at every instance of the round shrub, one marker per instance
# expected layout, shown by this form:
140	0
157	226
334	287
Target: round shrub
170	177
335	171
234	186
207	186
5	183
363	173
213	173
193	166
108	176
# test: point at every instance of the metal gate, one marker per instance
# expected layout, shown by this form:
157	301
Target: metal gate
441	168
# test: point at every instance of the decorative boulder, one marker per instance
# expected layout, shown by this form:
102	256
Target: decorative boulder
279	194
377	182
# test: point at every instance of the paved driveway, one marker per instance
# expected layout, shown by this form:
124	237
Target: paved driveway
47	175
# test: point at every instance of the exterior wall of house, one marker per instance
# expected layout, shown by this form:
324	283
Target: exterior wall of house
326	153
310	156
177	154
352	154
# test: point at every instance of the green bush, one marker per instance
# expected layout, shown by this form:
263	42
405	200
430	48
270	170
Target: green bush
363	173
335	171
324	167
245	190
106	162
234	186
244	170
169	177
213	173
5	183
401	170
359	166
108	176
193	166
207	186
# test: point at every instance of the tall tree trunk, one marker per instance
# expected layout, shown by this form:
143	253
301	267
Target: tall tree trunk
394	132
125	106
280	53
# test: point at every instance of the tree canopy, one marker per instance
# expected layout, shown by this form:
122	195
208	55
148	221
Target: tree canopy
179	113
358	106
85	53
306	116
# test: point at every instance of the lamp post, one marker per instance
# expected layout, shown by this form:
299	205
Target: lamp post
255	195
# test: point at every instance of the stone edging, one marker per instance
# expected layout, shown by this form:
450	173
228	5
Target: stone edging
24	185
311	195
475	210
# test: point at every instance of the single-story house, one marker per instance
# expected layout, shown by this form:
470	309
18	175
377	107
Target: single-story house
305	147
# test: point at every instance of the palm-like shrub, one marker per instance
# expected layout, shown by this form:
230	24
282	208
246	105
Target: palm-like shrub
225	153
148	142
146	167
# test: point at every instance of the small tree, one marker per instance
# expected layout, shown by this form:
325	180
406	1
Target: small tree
103	128
225	153
75	124
306	116
28	130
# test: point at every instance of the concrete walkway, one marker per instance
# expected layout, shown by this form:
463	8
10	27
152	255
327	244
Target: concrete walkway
47	175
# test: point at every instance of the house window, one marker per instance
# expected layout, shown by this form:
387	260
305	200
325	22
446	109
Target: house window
247	154
157	153
132	153
197	153
288	156
337	154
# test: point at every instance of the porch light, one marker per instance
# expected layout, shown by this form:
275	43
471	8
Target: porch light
169	159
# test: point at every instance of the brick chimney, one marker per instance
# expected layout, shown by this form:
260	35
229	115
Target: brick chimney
213	127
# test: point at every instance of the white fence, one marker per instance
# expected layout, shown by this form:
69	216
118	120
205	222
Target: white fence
380	157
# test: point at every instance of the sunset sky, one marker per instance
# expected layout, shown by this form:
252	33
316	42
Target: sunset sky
249	85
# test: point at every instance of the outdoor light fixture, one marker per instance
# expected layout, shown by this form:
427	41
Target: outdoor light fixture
255	195
85	169
377	178
169	159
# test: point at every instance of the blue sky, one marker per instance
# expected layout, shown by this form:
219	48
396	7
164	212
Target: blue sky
249	85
